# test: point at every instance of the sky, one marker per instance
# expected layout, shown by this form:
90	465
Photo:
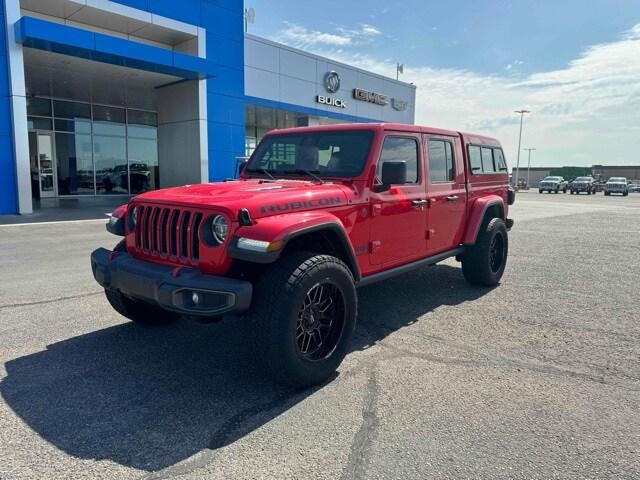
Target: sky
574	63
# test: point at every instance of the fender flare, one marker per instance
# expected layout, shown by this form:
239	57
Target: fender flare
476	216
286	227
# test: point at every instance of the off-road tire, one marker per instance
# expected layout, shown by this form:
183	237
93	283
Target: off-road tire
137	310
625	194
539	191
477	265
278	299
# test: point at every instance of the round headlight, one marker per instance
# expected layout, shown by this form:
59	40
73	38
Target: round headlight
219	228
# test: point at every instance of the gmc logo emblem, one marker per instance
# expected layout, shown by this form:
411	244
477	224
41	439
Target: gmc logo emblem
370	97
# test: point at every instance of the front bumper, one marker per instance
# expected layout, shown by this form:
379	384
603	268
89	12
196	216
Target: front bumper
171	288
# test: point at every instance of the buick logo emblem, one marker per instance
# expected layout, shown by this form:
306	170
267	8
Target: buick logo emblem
332	82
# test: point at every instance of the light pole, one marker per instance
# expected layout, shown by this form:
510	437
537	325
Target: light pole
529	166
521	112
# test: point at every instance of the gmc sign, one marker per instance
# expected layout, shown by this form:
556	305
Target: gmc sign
370	97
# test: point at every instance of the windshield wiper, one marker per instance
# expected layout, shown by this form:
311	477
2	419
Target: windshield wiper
310	173
266	172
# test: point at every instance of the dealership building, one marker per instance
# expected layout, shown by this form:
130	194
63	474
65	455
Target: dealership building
101	98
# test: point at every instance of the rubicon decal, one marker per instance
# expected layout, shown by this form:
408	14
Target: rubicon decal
285	207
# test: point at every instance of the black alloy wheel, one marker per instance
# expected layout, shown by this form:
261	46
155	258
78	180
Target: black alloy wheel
320	323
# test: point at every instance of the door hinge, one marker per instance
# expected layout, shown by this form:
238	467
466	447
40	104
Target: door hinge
430	233
374	246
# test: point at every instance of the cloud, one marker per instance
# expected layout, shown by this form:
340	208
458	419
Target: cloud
585	113
300	37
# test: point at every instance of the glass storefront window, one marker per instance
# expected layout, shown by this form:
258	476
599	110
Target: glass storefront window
109	120
64	109
260	120
143	165
110	159
37	123
99	149
40	107
74	164
77	125
142	124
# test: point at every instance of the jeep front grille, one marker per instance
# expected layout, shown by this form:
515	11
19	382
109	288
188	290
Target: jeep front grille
168	233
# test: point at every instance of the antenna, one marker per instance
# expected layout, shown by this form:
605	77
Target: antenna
249	18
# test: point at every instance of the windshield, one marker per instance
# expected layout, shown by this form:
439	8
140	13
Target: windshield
330	153
552	179
583	179
618	179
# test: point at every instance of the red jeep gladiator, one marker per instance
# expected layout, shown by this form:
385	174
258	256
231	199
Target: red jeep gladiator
316	213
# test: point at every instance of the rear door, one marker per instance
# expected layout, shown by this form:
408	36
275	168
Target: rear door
446	192
399	215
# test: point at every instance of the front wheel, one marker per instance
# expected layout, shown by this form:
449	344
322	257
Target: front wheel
303	317
484	262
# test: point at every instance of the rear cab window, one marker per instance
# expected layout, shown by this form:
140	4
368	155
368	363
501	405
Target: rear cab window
486	159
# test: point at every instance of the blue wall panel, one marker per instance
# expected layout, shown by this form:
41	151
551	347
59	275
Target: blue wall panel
224	23
8	188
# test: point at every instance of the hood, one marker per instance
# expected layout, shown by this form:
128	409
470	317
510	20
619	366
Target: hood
261	198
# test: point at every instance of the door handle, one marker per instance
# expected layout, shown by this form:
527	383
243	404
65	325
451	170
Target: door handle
452	198
419	203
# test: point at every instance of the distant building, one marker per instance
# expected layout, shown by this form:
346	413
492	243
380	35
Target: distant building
535	175
631	172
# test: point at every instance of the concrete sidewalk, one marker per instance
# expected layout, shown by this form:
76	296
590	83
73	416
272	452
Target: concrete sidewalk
66	209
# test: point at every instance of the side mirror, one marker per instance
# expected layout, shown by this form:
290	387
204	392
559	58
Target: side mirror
393	173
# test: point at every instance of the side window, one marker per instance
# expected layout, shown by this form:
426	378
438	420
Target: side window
440	161
487	160
475	159
501	164
397	149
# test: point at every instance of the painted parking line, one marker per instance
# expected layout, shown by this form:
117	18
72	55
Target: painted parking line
59	222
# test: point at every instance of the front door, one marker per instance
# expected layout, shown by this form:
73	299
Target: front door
42	164
447	193
399	215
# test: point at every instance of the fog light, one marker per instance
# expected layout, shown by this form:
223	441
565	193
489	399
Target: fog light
195	298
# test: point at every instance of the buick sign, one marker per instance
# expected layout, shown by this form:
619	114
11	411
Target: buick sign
332	81
332	102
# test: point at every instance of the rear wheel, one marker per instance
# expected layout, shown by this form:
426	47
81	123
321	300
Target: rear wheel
484	262
539	191
303	317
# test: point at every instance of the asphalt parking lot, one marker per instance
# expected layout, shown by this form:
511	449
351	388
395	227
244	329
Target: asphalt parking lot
538	378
